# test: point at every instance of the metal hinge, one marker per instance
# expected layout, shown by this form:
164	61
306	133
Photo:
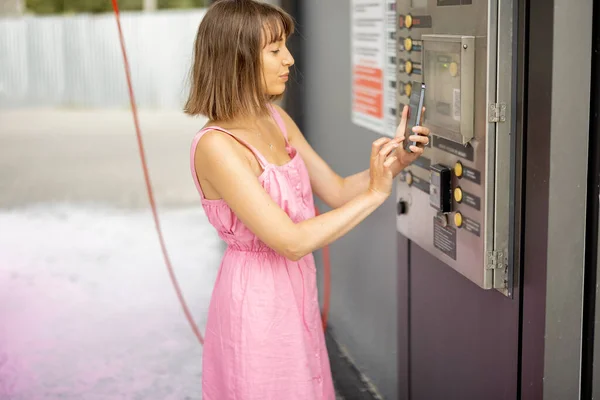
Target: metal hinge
496	259
497	112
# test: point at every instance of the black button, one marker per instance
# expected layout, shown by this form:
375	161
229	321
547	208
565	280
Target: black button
402	207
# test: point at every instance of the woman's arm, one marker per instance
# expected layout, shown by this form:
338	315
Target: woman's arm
349	188
230	174
334	190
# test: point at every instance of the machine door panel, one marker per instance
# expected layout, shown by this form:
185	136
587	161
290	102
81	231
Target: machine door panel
454	201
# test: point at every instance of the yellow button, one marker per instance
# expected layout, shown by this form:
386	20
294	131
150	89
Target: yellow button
453	69
408	21
409	178
458	219
458	194
408	67
458	169
408	89
408	44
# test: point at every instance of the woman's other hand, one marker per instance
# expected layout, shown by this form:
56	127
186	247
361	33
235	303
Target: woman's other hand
382	159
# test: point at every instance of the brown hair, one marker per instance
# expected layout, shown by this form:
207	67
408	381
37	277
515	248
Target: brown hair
226	76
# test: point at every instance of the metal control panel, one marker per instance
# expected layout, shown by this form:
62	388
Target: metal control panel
454	200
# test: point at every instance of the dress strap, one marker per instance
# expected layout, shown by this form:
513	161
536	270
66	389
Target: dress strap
261	159
279	122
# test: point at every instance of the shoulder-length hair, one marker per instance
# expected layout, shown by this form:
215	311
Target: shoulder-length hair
226	76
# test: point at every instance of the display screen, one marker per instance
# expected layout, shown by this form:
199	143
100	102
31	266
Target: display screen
443	88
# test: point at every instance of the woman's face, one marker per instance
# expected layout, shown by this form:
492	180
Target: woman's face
276	63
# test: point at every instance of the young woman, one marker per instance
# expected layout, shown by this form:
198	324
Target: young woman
256	174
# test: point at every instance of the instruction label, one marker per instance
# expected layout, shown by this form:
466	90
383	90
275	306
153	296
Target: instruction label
472	200
421	184
444	238
471	175
472	226
422	162
464	151
373	41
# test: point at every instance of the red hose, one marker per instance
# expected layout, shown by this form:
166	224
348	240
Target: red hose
163	247
134	110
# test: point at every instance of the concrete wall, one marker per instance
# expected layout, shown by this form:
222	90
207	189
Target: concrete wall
364	289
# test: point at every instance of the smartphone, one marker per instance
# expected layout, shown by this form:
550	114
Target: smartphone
417	97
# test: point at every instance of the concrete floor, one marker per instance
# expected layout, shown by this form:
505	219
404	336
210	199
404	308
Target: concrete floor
87	310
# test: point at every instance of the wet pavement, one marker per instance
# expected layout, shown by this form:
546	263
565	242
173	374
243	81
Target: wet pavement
90	308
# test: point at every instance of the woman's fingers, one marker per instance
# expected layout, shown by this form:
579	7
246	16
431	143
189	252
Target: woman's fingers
400	131
416	150
385	150
389	161
421	130
424	140
376	146
422	116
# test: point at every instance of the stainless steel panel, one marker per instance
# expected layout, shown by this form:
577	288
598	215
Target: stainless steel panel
504	129
479	34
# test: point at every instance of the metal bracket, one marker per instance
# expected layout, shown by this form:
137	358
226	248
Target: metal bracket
497	112
496	259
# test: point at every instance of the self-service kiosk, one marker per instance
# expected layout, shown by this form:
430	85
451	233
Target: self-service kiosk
455	200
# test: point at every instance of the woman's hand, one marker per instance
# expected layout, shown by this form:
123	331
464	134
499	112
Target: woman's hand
380	172
420	135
